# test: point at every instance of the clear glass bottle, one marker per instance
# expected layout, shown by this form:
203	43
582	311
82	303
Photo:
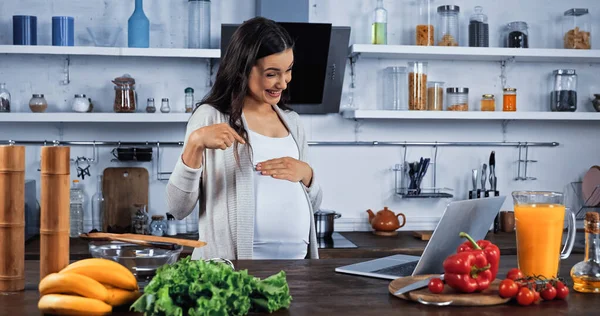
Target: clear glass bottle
4	98
457	99
448	25
586	274
563	97
38	103
488	103
379	26
424	33
479	30
517	35
164	107
76	210
198	23
98	206
435	96
189	100
158	226
577	29
417	86
150	108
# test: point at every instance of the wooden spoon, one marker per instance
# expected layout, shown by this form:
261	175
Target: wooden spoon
146	240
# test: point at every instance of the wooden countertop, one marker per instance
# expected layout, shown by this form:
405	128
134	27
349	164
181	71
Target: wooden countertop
317	290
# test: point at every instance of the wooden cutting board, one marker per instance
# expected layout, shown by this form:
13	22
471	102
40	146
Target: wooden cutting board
122	188
488	297
423	235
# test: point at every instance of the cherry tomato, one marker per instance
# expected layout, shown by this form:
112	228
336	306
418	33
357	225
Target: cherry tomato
508	288
549	293
514	274
561	291
536	296
436	286
525	296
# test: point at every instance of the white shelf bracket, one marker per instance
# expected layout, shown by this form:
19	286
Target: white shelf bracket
353	60
66	69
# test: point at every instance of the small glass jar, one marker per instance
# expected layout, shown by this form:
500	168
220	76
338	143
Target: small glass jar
81	103
38	103
150	108
4	98
417	86
189	100
125	98
563	97
424	32
457	99
448	25
479	30
435	96
517	35
158	226
509	100
488	103
577	29
395	85
139	220
164	107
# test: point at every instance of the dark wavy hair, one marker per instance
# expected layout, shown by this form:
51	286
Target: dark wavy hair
254	39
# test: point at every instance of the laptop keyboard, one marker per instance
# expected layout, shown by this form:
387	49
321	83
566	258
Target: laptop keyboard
403	269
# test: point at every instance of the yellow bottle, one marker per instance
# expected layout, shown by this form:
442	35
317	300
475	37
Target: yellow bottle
586	274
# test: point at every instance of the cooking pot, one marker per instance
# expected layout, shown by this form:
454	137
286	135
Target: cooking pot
324	223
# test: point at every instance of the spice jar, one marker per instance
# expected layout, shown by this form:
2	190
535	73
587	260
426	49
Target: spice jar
189	100
435	96
488	103
448	25
158	226
80	103
457	99
509	100
38	103
150	108
417	86
125	100
517	35
164	107
424	33
563	98
4	98
577	29
479	33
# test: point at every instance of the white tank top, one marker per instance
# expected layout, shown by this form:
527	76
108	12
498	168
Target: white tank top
282	218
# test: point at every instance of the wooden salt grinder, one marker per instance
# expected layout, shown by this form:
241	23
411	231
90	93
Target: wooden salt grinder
12	218
55	203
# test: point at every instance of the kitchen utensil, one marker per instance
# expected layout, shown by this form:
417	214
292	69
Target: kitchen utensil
493	171
487	297
422	171
122	189
324	223
590	187
483	178
423	235
144	239
385	222
416	285
473	193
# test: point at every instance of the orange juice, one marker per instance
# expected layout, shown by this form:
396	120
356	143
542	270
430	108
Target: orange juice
539	237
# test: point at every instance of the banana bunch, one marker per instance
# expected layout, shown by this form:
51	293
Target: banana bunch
87	287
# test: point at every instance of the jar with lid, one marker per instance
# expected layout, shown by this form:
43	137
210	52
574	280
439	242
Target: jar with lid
164	107
577	29
435	96
158	225
189	100
417	86
139	220
424	32
448	25
80	103
488	103
150	108
457	99
38	103
172	223
125	99
395	89
509	100
4	98
563	97
199	24
517	35
479	32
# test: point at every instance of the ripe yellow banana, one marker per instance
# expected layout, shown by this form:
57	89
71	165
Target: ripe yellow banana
60	304
104	271
71	283
118	297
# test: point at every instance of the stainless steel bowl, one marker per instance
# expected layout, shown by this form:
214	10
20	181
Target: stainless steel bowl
324	223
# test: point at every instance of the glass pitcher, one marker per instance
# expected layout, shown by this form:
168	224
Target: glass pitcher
539	218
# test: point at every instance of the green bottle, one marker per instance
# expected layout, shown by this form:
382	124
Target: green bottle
379	26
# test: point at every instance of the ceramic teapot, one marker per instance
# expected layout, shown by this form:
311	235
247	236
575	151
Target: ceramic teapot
385	220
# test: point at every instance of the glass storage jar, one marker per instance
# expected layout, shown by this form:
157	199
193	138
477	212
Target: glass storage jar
80	103
563	97
38	103
150	108
457	99
488	103
139	220
424	32
198	23
164	107
479	32
189	100
448	25
158	226
417	86
577	29
395	89
435	96
4	98
509	100
125	98
517	35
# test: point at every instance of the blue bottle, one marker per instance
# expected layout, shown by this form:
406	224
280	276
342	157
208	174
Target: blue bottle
138	27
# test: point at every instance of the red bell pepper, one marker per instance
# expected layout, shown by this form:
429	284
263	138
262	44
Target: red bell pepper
467	272
491	251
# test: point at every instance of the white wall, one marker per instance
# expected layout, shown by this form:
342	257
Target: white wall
353	178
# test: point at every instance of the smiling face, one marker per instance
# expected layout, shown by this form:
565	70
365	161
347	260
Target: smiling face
270	76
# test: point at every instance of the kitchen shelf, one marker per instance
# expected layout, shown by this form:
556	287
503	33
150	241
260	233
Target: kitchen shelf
472	115
110	51
475	53
72	117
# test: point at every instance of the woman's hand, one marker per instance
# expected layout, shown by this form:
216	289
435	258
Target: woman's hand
287	168
217	136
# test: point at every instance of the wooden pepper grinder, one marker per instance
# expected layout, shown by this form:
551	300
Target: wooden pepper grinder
12	218
55	203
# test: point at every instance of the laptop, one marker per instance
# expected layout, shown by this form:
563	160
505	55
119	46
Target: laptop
471	216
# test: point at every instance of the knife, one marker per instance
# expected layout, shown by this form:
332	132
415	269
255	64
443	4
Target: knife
417	285
493	184
483	178
473	194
